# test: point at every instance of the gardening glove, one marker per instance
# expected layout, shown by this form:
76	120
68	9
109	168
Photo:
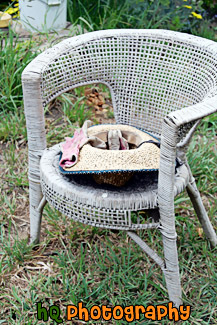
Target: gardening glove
70	149
116	141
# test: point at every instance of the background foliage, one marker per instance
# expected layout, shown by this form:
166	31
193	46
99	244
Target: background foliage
165	14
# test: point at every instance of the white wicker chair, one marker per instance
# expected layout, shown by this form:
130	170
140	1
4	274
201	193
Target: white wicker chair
161	81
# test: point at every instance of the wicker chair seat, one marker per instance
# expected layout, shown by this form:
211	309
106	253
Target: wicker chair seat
79	197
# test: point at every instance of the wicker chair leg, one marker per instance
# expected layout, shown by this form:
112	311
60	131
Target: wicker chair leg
171	272
37	203
196	200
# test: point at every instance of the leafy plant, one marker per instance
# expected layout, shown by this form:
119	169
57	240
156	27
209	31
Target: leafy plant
12	126
107	14
210	6
74	112
14	56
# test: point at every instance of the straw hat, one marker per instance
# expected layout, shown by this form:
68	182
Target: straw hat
141	156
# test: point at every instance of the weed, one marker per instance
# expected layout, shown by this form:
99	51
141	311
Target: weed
75	261
111	14
14	56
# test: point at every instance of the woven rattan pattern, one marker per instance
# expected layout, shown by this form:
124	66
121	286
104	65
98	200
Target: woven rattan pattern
132	66
98	217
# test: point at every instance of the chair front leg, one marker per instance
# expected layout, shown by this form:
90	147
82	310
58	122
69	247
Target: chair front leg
36	199
166	210
171	271
36	206
35	122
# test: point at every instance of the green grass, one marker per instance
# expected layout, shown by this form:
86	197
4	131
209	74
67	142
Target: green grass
14	56
74	111
76	263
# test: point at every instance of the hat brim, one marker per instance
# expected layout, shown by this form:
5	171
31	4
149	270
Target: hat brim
97	161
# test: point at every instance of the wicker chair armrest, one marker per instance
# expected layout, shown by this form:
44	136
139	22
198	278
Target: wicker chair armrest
171	125
194	112
186	120
169	140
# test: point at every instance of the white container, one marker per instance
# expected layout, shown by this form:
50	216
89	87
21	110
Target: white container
43	15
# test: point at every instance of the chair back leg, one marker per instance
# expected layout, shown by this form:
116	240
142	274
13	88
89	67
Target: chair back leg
196	200
169	266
